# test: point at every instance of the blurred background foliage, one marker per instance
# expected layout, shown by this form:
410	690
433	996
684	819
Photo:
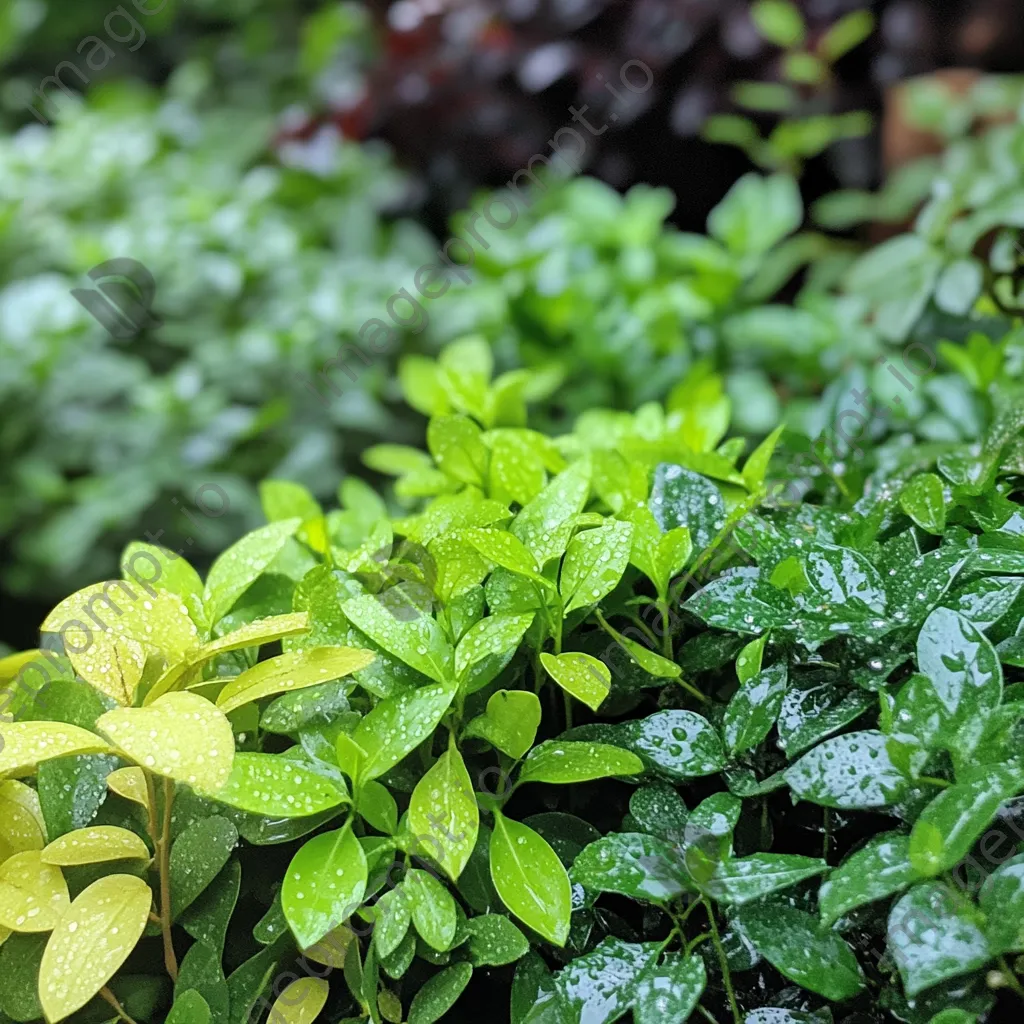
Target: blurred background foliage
282	168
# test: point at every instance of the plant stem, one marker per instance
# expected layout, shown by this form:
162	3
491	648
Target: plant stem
568	709
1011	978
723	962
932	781
666	633
110	998
170	960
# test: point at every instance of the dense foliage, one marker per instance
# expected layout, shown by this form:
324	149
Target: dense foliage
616	707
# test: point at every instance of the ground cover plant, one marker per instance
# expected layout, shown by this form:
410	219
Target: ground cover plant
643	719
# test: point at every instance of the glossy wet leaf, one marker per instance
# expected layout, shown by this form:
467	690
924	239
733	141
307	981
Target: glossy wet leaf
208	917
33	894
278	787
799	947
744	879
947	828
439	994
324	884
189	1008
418	641
594	563
639	866
681	497
562	761
201	971
879	869
392	920
850	772
129	783
669	990
27	744
292	671
487	647
984	602
505	549
509	723
1002	900
72	790
530	879
495	941
933	934
584	677
753	709
659	556
314	706
378	808
443	810
301	1002
659	810
399	724
923	499
94	845
811	714
91	941
679	744
545	524
22	826
431	907
237	568
197	857
181	735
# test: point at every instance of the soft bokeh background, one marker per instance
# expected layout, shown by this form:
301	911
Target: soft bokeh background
282	168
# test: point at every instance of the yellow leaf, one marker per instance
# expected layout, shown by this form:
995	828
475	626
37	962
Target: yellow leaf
94	845
91	942
131	784
292	671
27	744
332	949
181	735
252	634
110	629
14	663
5	934
21	819
33	895
300	1002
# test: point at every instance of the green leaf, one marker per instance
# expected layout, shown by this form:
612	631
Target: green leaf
285	499
580	675
393	918
755	469
985	601
505	549
560	761
20	958
530	879
176	577
33	894
237	568
495	941
95	845
962	666
800	948
207	919
181	735
510	722
594	564
882	867
947	828
809	715
189	1008
494	636
419	642
546	523
1002	901
850	772
659	556
681	497
378	807
679	744
458	449
314	706
748	661
934	934
924	500
653	664
756	214
439	994
753	709
843	36
201	971
780	22
432	908
399	724
670	990
72	790
631	864
197	857
443	812
324	884
91	941
742	880
658	809
292	671
278	787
